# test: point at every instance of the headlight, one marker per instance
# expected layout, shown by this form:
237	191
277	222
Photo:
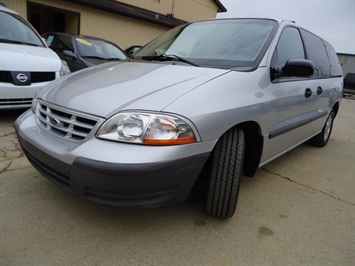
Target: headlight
145	128
65	70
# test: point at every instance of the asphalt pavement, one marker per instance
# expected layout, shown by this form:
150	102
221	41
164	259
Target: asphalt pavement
297	210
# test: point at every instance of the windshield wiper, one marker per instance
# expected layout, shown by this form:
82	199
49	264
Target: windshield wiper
168	57
95	57
113	59
103	58
17	42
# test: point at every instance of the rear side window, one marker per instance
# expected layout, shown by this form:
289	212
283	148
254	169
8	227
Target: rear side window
316	52
335	66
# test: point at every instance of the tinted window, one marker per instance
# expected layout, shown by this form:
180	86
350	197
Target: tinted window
290	46
66	43
59	43
317	54
335	66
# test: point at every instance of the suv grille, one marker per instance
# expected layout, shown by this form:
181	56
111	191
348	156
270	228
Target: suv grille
63	123
6	77
17	101
42	76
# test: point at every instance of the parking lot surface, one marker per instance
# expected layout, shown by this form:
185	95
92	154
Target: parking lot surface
297	210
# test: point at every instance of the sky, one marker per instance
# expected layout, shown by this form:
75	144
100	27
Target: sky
333	20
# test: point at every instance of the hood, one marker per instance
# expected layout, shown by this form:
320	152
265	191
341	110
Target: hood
15	57
105	89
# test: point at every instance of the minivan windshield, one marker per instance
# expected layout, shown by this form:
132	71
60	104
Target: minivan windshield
227	44
15	29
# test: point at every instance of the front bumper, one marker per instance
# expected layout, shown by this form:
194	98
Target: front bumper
12	96
148	184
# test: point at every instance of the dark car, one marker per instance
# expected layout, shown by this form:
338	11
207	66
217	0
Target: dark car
81	51
349	83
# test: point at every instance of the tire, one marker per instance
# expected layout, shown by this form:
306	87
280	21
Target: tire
322	138
224	171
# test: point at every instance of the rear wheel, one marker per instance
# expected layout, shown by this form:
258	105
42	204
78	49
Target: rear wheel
224	171
322	138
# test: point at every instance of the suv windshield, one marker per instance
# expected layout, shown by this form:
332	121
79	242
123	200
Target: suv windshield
15	29
231	43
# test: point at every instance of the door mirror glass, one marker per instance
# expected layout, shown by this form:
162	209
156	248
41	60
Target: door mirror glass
298	68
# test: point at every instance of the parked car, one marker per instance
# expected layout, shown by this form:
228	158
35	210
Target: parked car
349	83
131	50
206	101
27	64
81	51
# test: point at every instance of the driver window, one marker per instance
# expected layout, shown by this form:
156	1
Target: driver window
290	46
66	43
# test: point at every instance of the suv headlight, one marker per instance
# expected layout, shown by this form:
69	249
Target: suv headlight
65	70
147	128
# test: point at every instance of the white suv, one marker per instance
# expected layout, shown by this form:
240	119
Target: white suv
27	64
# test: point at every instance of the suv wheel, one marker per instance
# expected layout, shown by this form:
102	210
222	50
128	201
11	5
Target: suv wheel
322	138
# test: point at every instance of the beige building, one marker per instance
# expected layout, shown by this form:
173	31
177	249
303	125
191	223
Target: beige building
124	22
347	62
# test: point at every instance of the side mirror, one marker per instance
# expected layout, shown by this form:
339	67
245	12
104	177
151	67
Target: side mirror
69	53
298	68
294	68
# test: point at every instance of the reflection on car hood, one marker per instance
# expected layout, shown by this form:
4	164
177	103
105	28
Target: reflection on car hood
94	61
108	88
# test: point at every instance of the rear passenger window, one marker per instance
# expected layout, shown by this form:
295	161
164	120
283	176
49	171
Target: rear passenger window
335	66
316	52
289	47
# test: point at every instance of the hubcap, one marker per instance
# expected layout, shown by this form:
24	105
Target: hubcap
328	127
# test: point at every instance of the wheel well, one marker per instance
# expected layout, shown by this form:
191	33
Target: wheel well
253	147
336	108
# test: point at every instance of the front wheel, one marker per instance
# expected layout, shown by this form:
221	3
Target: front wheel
224	171
322	138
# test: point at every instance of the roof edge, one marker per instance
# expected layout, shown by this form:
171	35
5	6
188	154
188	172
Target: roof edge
221	7
127	10
347	54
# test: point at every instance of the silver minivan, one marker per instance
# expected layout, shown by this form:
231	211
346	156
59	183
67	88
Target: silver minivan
208	101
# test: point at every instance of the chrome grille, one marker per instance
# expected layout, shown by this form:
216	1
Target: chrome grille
17	101
64	123
7	76
42	76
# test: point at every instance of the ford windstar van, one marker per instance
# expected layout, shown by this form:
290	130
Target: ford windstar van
26	63
208	101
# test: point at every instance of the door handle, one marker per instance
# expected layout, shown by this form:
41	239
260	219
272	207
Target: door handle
319	90
308	93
